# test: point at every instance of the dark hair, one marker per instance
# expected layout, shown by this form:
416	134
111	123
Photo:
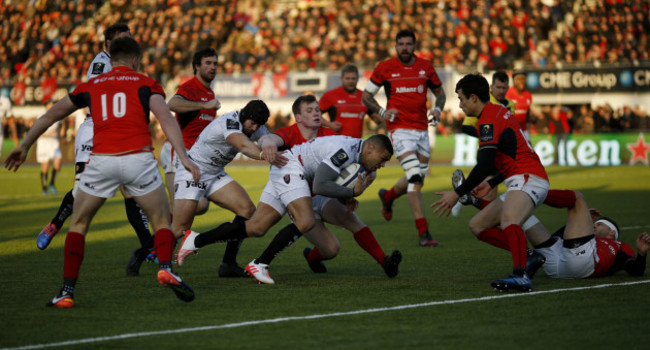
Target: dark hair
113	30
295	108
124	48
474	84
199	55
405	33
612	222
350	68
518	73
255	110
500	76
382	141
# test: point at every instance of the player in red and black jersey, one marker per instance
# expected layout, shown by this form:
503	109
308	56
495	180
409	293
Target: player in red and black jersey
406	80
344	107
504	147
119	102
522	99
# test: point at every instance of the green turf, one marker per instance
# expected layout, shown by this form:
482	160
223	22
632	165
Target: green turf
109	304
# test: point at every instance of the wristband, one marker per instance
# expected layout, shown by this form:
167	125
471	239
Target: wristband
261	154
438	109
382	112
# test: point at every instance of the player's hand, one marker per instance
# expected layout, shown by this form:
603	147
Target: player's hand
16	158
434	116
481	190
643	243
362	183
275	157
595	214
336	126
213	104
390	114
443	205
192	168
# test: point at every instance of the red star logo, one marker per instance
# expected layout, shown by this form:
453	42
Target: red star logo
639	150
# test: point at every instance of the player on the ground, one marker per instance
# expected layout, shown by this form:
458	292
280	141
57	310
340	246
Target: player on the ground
48	150
320	160
502	145
522	99
344	106
406	80
119	103
83	148
333	211
218	144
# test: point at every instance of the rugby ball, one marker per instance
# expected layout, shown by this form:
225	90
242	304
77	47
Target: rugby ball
349	175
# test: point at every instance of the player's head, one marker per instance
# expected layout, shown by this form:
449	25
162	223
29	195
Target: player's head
115	31
405	45
204	62
349	77
519	80
606	227
306	111
473	92
377	150
500	85
125	51
253	115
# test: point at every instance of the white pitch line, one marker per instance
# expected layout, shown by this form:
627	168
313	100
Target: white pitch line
312	317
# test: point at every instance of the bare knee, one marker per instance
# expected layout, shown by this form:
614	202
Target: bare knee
330	249
476	227
305	224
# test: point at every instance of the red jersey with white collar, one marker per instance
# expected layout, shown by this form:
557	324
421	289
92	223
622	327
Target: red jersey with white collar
118	102
193	122
499	129
406	91
606	251
522	104
345	108
292	136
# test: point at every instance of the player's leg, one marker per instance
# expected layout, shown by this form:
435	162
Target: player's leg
45	167
56	167
579	223
326	247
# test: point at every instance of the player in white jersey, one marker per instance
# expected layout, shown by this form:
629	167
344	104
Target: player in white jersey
217	145
7	112
48	150
319	160
83	148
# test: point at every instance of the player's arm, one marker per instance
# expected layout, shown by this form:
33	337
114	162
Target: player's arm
171	129
60	110
635	266
245	145
325	183
441	99
180	104
483	168
330	121
270	143
368	99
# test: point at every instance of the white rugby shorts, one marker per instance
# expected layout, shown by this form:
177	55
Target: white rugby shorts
167	158
83	142
138	173
410	140
47	149
186	188
534	186
285	185
563	262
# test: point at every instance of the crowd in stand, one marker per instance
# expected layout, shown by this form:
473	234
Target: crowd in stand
60	37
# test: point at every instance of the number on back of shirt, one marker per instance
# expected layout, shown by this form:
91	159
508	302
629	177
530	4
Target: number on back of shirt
118	104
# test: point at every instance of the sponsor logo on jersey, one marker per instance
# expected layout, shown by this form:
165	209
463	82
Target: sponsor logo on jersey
406	89
339	158
98	68
420	89
207	117
422	72
232	124
487	132
91	186
394	75
340	101
203	99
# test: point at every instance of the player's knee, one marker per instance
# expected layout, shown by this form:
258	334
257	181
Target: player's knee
475	227
305	224
247	212
330	250
202	207
411	166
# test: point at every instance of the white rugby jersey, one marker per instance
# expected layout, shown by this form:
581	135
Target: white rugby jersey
336	151
211	151
101	64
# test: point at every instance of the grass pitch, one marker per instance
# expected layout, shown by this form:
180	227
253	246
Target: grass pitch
441	298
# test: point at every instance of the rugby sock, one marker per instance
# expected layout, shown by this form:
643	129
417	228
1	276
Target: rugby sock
283	239
44	181
227	231
421	225
65	210
54	171
138	220
495	237
230	254
482	203
73	255
560	198
314	256
366	240
390	195
164	245
518	245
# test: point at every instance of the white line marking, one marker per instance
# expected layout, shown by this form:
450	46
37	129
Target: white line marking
312	317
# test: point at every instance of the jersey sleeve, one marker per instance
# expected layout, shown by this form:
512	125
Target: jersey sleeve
80	96
339	159
377	78
157	89
325	102
434	81
185	92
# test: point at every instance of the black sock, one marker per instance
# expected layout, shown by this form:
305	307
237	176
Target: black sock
44	181
54	171
138	220
232	248
65	210
283	239
69	284
227	231
519	271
